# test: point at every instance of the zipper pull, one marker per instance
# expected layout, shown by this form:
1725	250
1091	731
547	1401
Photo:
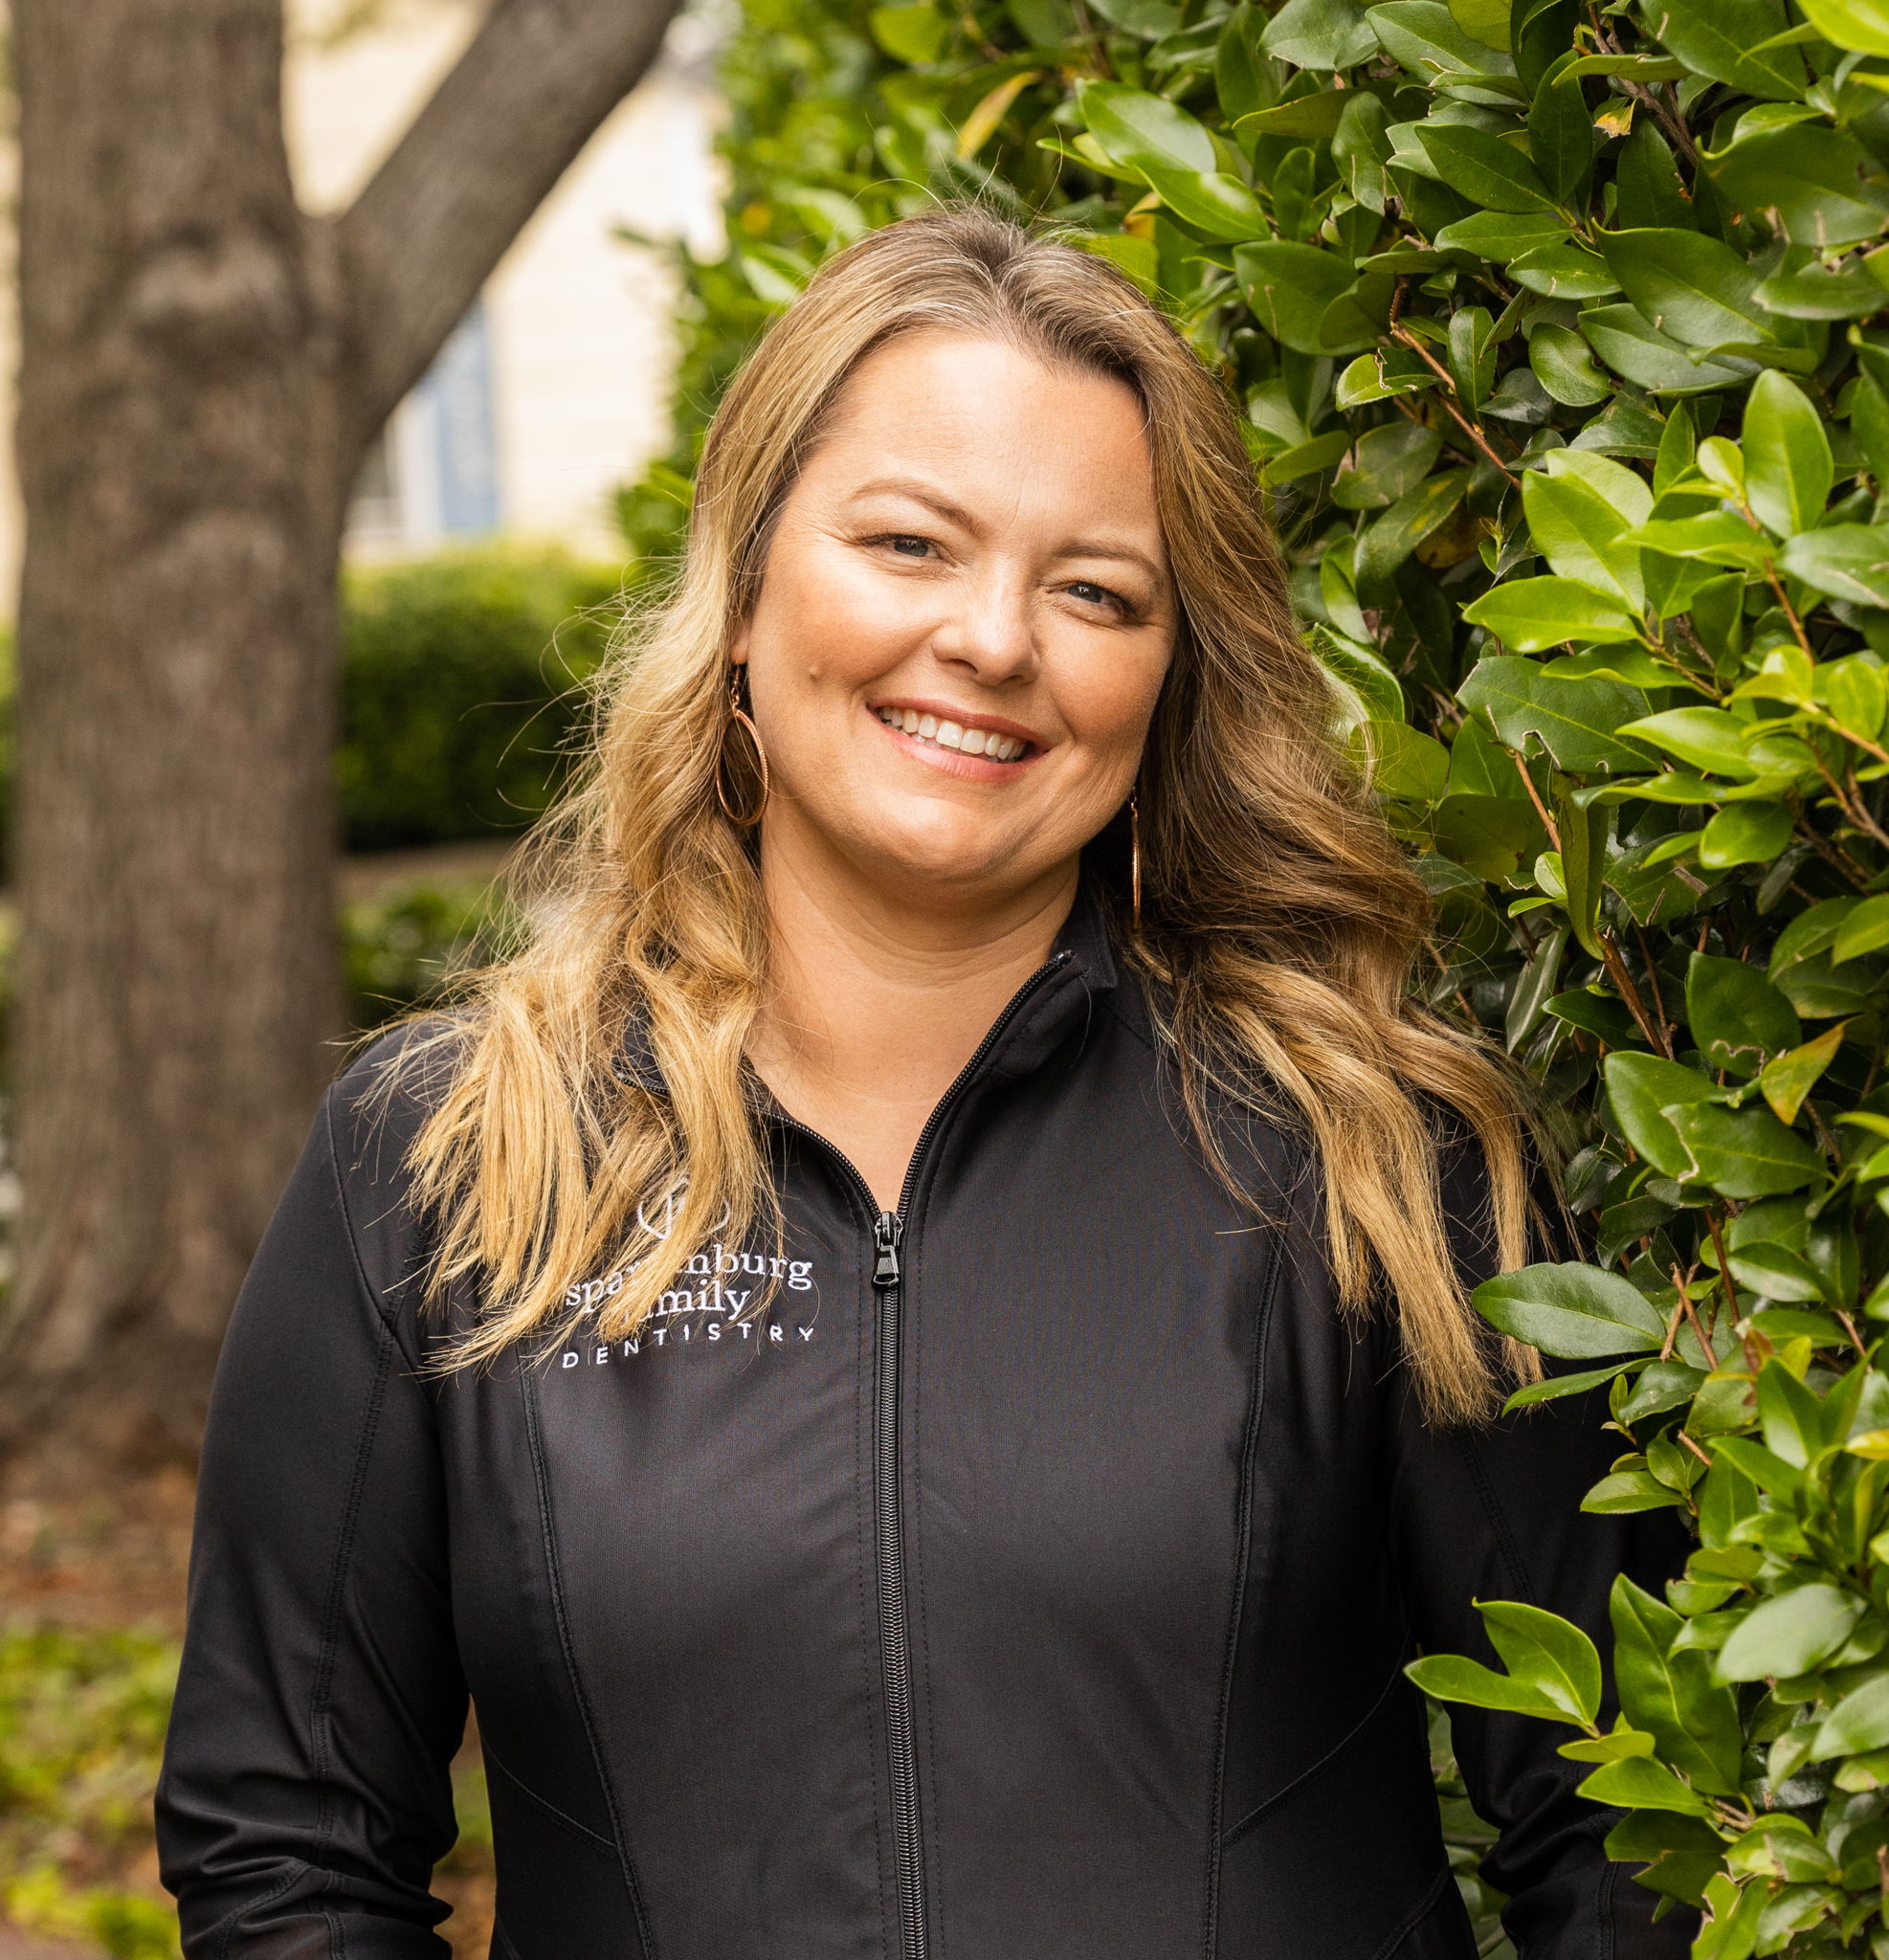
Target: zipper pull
887	1230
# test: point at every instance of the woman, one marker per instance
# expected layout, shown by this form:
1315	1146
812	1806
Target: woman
911	1348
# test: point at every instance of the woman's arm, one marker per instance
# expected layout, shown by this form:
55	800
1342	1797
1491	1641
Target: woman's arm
1494	1513
305	1794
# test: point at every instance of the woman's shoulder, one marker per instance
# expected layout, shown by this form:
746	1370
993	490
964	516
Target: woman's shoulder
378	1104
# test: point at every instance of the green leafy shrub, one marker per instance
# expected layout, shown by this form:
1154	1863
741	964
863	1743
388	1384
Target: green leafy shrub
1562	337
81	1728
83	1715
815	155
402	948
461	691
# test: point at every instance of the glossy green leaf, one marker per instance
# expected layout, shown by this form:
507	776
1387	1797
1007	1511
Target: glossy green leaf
1580	534
1556	1388
1792	1077
1530	999
1412	519
1825	189
1738	1018
1564	366
1532	614
1717	537
1742	1153
1790	1417
1625	489
1865	930
1787	466
1471	355
1774	1271
1572	721
1403	763
1176	155
1855	691
1640	1088
1320	34
1816	293
1135	127
1548	1653
1307	458
1359	149
1378	690
1790	1634
1425	38
1501	235
1486	21
1672	1697
1715	37
1484	169
1576	1311
1710	738
1628	1491
1450	1678
1861	24
1564	271
1633	347
1847	560
1769	1471
1289	287
1387	461
1639	1783
1647	183
1858	1722
1690	288
1820	990
1315	117
1744	834
1561	130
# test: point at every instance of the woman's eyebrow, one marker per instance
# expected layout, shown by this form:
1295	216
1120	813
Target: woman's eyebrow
1124	554
920	491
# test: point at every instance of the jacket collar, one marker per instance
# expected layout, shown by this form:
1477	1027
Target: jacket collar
1080	966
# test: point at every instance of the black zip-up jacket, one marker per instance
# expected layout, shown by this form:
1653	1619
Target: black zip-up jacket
1030	1581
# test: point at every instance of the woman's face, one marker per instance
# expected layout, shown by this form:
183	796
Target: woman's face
963	623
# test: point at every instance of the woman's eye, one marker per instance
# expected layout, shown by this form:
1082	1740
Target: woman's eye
910	547
1093	595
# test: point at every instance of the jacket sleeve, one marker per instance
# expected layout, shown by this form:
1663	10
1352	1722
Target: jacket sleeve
1494	1513
306	1793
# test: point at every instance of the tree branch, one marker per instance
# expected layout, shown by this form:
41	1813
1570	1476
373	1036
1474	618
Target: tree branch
504	126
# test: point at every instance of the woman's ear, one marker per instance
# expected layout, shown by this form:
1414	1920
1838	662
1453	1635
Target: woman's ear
738	641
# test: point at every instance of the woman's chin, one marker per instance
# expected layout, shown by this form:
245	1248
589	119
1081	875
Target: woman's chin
950	863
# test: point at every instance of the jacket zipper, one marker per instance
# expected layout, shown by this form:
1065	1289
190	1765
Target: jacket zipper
894	1631
895	1641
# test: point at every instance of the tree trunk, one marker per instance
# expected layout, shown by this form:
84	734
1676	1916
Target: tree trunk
202	365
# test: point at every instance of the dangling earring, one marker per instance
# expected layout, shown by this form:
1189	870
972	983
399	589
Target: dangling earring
735	714
1135	856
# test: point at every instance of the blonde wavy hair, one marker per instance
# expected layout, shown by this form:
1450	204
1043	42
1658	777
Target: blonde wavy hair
1279	919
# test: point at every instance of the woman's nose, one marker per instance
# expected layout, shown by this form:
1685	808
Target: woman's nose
992	633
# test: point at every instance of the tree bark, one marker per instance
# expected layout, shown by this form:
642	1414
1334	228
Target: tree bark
202	366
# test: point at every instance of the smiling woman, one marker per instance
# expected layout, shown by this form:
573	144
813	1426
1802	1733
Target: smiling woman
911	1348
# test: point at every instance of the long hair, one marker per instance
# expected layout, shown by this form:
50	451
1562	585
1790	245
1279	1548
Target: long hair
1279	918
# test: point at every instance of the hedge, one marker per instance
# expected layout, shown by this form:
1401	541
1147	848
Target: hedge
462	690
1563	338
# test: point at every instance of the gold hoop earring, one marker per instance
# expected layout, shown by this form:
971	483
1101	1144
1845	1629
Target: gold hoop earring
741	822
1135	856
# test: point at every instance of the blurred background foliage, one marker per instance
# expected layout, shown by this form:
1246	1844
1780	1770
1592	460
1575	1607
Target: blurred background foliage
462	689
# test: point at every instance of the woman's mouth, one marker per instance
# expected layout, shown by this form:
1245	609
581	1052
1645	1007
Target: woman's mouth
966	738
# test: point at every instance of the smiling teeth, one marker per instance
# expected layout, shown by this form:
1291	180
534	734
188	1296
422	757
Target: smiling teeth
950	735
